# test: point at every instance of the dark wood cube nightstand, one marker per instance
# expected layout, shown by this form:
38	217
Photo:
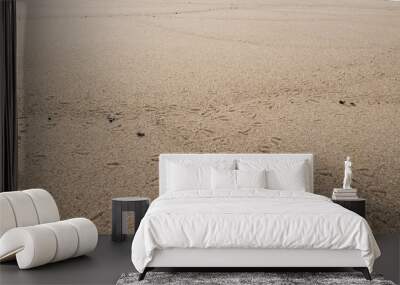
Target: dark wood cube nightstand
355	205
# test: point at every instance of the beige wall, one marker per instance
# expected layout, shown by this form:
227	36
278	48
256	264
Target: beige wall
206	76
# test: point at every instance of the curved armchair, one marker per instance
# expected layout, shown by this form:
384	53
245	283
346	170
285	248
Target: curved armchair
31	230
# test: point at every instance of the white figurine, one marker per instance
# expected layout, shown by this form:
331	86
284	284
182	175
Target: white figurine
347	174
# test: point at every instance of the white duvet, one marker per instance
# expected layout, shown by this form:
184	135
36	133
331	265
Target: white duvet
250	218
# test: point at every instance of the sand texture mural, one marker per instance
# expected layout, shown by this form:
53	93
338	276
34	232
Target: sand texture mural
105	86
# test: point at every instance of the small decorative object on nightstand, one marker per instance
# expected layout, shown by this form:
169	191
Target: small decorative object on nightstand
356	205
344	194
348	173
120	208
347	197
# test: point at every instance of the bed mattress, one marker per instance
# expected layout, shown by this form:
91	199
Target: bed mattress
250	219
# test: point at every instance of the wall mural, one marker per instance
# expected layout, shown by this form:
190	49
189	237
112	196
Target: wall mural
106	86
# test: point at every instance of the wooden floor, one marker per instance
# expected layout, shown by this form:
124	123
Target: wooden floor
110	260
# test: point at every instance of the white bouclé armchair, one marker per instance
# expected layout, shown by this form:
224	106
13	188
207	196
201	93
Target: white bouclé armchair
31	230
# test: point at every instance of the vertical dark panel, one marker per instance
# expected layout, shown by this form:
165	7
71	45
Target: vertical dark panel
117	221
8	120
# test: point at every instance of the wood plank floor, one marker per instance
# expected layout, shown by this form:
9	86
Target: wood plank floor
110	260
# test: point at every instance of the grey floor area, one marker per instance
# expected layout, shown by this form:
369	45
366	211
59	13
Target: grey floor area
110	260
103	266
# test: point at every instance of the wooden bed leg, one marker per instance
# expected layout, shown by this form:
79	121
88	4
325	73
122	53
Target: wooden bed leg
142	275
364	271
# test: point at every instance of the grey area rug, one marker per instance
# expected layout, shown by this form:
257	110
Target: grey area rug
269	278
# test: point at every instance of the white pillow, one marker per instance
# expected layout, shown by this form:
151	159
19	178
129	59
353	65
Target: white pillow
291	175
185	177
226	179
190	174
251	179
223	179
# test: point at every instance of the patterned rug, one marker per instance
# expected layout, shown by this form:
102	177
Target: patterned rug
269	278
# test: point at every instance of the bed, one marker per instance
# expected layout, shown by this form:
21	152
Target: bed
245	211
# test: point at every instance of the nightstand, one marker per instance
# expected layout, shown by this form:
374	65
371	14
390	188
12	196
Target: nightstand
356	205
120	208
